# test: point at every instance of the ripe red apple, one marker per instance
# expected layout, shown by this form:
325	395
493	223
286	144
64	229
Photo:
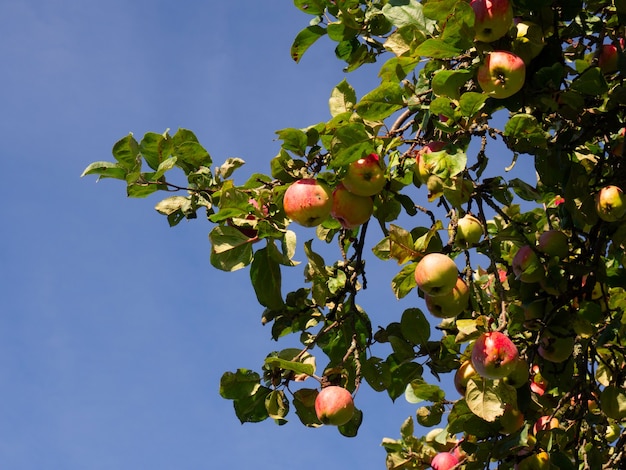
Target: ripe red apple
350	209
308	202
365	176
502	74
436	274
494	355
334	405
444	461
493	19
462	375
607	60
555	348
610	203
553	243
527	266
451	304
469	230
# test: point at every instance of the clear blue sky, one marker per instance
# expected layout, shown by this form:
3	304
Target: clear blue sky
114	328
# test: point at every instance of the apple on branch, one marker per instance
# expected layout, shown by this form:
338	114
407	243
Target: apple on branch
610	203
451	304
528	41
444	461
469	230
308	202
436	274
334	405
527	266
462	375
365	176
608	58
422	170
553	243
501	74
494	355
493	18
350	209
555	348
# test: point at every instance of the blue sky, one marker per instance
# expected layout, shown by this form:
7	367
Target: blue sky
115	329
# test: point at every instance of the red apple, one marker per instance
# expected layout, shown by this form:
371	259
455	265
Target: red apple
365	176
608	58
493	18
502	74
444	461
527	266
436	274
610	203
308	202
494	355
553	243
538	384
451	304
545	423
334	405
350	209
555	348
469	230
462	375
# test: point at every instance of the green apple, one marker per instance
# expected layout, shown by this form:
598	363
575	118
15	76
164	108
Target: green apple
350	209
493	18
501	74
555	348
462	375
528	41
610	203
469	231
613	402
519	376
511	420
553	243
365	176
494	355
308	202
527	266
436	274
451	304
540	461
334	405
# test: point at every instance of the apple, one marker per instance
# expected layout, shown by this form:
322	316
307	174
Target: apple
444	461
545	423
462	375
528	41
534	312
540	461
365	176
350	209
511	420
618	147
555	348
613	402
527	266
451	304
334	405
608	58
436	274
469	230
308	202
494	355
610	203
538	384
501	74
493	18
519	375
553	243
422	170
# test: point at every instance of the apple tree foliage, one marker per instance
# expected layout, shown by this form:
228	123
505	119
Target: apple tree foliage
566	317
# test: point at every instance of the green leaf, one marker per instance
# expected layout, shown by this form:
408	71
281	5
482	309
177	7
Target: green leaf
294	366
240	384
277	405
406	12
404	282
381	102
305	39
266	279
294	140
229	166
415	327
342	99
419	390
487	398
350	142
437	49
590	82
351	428
252	409
401	245
304	402
231	249
312	7
449	82
376	373
471	103
525	134
155	148
445	164
105	170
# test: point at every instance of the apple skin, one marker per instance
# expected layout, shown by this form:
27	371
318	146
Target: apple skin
462	375
527	266
436	274
553	243
519	376
502	74
444	461
511	420
421	169
365	176
469	230
494	355
449	305
528	41
607	60
534	312
334	405
493	18
618	147
350	209
308	202
610	203
545	423
555	348
540	461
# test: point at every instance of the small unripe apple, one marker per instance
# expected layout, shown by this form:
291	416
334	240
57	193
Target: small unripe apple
469	230
519	376
334	405
555	348
527	266
308	202
444	461
608	58
451	304
553	243
350	209
493	18
436	274
610	203
462	375
494	355
540	461
502	74
511	420
365	176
